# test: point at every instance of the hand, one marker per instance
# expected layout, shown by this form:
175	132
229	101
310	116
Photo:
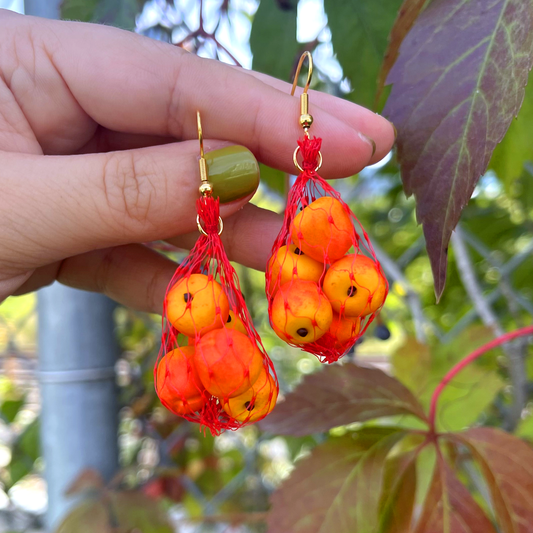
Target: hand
99	151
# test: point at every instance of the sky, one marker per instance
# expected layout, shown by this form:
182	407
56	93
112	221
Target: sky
14	5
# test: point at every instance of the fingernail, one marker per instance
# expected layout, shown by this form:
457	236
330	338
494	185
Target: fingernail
367	139
233	171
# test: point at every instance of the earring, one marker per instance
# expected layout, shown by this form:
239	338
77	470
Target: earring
323	282
212	367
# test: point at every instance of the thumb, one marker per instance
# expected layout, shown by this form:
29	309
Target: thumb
59	206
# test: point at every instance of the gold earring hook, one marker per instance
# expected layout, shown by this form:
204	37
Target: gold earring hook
200	133
206	188
305	118
299	68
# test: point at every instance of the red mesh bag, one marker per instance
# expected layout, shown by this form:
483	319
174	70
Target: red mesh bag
323	282
221	377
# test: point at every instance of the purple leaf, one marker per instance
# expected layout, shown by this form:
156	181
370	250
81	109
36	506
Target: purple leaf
339	395
458	82
449	508
337	488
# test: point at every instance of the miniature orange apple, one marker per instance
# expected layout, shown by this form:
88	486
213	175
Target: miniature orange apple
235	322
300	312
197	304
256	402
228	362
291	263
344	329
355	286
177	381
323	230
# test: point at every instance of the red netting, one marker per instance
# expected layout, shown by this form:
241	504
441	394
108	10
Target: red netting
221	377
323	282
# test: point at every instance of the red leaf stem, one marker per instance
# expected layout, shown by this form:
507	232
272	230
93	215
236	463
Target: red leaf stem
522	332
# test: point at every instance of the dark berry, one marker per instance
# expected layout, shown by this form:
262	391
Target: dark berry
382	332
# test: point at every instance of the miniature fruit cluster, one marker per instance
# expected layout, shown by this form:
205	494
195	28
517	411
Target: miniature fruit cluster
324	283
212	367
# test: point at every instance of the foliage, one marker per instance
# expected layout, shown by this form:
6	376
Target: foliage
121	14
273	38
110	510
343	484
451	75
359	32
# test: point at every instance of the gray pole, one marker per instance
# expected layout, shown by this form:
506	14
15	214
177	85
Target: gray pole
42	8
77	354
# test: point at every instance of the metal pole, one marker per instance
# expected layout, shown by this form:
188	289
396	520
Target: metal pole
77	353
43	8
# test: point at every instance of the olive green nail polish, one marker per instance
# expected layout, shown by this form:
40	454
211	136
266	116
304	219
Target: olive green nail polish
233	171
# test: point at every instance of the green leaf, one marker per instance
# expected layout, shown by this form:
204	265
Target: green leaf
468	395
516	147
117	512
339	395
507	465
82	10
135	511
449	507
524	429
359	31
10	409
273	38
87	517
457	83
119	13
29	442
274	179
337	488
25	452
411	364
398	495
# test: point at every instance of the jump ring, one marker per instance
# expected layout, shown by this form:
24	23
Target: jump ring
202	230
297	165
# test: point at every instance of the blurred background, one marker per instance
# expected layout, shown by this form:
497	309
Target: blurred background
177	478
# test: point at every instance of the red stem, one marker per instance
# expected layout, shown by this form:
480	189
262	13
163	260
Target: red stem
522	332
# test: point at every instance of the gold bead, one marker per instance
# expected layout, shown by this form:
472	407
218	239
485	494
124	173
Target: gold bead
306	120
206	188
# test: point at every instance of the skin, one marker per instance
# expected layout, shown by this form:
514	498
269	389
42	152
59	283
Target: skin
99	151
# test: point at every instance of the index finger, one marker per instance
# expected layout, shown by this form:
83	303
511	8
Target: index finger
134	84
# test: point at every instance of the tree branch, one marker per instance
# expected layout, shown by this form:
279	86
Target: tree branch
413	300
513	351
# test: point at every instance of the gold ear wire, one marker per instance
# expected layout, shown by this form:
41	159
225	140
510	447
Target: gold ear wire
305	118
206	188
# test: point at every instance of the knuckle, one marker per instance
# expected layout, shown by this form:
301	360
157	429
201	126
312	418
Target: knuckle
129	187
